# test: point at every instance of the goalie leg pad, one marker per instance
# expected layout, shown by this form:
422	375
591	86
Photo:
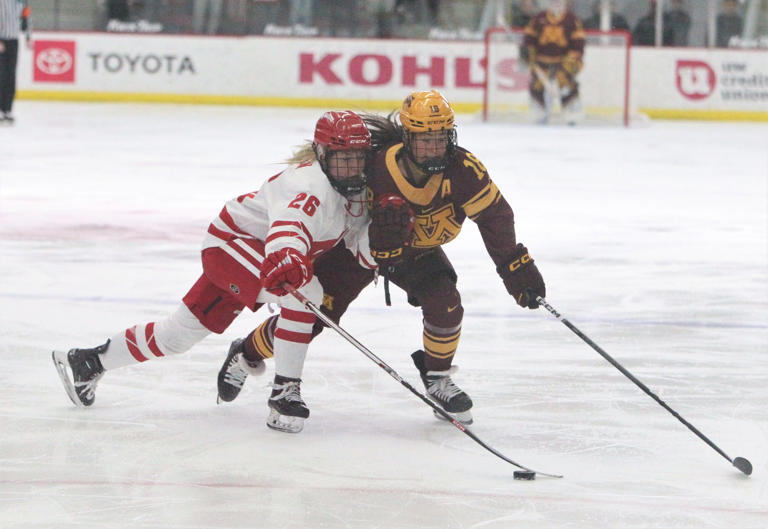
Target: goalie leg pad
536	91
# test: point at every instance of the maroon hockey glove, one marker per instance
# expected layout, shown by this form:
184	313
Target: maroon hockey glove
522	278
286	265
390	229
572	64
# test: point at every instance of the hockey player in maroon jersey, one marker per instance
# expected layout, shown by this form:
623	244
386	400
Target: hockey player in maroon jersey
422	187
259	242
553	47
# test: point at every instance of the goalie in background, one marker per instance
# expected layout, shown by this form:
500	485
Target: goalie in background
553	48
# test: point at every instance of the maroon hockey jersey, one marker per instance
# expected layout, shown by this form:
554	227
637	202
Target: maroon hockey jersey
464	190
552	38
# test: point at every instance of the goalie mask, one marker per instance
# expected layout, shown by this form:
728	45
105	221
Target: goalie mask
429	135
557	7
342	144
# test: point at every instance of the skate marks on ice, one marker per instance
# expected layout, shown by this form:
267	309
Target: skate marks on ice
648	279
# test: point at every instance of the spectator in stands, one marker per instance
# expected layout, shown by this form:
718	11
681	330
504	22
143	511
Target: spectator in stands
644	33
206	16
301	13
729	23
678	22
522	13
118	10
376	19
433	11
336	18
618	22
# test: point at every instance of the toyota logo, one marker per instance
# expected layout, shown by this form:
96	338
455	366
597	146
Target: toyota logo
54	61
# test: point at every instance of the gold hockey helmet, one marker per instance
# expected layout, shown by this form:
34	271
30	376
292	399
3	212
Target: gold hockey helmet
427	120
426	111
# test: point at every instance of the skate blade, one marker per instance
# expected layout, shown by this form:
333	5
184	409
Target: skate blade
464	417
60	362
284	423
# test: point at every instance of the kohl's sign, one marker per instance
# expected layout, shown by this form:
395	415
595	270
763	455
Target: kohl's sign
372	69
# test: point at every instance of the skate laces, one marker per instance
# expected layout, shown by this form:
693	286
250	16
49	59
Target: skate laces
289	391
235	375
441	385
87	388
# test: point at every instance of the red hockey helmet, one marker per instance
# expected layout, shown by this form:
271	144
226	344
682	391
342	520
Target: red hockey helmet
336	132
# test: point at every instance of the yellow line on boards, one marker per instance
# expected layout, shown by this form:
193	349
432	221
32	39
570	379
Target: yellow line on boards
352	104
707	115
206	99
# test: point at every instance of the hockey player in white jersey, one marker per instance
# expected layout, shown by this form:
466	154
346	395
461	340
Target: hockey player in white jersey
259	242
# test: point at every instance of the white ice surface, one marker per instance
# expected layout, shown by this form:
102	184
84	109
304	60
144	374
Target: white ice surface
653	241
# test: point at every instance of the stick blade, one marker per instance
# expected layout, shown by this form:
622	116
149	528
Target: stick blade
743	465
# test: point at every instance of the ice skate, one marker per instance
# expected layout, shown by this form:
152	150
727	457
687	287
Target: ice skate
286	409
442	390
86	370
6	119
235	370
573	111
539	114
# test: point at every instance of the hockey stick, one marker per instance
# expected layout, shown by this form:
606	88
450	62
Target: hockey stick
551	91
378	361
739	462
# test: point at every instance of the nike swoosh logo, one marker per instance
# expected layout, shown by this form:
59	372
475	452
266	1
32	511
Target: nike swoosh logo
451	309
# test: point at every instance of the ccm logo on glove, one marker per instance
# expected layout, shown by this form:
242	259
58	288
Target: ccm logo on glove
387	254
522	278
517	263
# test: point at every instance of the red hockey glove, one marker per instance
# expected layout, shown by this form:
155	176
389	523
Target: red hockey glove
522	278
286	265
390	229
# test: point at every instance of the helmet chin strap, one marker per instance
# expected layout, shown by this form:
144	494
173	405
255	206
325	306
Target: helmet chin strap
431	166
361	203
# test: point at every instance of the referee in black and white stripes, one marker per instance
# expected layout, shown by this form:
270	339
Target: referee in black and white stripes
14	19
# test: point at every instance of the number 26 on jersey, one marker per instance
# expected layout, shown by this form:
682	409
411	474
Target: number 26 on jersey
310	203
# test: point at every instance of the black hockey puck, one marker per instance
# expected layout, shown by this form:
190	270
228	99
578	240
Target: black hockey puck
527	475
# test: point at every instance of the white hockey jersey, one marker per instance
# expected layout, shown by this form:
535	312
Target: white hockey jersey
296	208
